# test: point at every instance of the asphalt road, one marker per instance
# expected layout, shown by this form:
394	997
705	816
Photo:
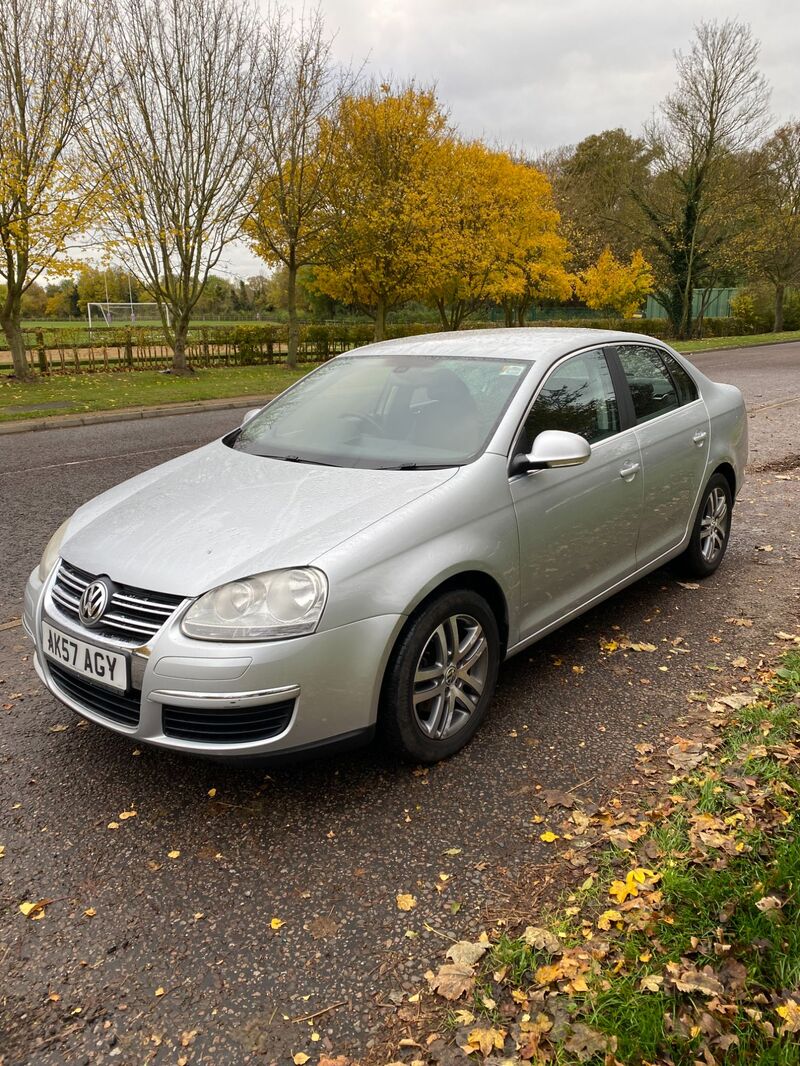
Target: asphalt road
325	847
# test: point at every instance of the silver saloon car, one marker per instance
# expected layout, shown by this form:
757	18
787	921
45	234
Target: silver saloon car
364	552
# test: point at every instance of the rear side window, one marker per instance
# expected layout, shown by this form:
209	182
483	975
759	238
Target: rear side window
687	390
578	397
652	388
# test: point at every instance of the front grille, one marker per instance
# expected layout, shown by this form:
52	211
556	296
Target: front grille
119	707
237	725
133	616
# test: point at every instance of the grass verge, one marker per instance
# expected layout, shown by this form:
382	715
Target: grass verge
682	944
108	391
752	341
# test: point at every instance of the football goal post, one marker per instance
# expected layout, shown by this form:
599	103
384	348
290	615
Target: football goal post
124	314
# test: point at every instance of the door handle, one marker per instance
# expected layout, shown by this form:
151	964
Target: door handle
629	471
699	437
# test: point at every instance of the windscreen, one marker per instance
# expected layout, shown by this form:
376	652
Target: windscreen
386	411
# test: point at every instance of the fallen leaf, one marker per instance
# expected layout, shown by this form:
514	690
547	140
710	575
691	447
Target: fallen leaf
585	1042
212	792
34	911
769	903
276	923
452	981
486	1040
300	1059
59	728
90	912
651	983
739	662
405	901
692	980
765	548
746	623
548	836
790	1012
689	585
174	854
607	917
466	953
322	927
113	825
124	815
542	940
160	991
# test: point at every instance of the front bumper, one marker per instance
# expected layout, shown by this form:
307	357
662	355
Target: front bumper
329	682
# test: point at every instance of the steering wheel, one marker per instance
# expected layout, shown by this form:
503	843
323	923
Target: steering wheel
367	420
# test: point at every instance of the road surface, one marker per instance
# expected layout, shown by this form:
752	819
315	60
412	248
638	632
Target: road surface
143	957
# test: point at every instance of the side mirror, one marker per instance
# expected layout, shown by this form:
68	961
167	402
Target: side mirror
553	448
250	414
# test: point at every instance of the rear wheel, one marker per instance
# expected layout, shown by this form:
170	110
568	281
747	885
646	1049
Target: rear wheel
711	530
441	677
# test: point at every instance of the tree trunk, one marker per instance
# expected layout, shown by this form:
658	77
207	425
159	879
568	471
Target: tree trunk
442	309
380	319
508	313
179	364
291	304
780	292
16	342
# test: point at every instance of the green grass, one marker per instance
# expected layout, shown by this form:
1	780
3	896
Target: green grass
751	341
108	391
700	911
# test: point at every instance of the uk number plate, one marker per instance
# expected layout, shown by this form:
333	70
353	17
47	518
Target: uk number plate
104	667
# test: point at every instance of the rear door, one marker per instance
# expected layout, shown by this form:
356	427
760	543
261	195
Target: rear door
577	525
672	428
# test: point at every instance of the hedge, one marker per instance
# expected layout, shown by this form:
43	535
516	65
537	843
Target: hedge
134	348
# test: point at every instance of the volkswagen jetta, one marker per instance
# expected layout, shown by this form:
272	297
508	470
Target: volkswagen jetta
366	550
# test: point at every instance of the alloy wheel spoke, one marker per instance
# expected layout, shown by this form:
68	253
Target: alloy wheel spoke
425	695
477	652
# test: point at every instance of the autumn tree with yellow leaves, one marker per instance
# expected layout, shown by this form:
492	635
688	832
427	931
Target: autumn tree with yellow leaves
386	203
497	238
48	61
533	267
612	285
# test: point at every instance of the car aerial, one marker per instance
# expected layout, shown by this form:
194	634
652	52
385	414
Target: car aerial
365	551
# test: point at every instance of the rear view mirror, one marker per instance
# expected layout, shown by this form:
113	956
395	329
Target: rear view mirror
553	448
250	414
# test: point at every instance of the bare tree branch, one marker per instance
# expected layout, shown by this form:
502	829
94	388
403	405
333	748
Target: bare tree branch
173	142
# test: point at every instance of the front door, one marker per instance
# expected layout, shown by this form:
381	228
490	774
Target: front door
577	525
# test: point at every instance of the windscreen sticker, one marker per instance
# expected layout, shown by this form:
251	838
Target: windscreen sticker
512	370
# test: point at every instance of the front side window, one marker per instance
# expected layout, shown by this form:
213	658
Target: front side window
578	397
653	390
386	411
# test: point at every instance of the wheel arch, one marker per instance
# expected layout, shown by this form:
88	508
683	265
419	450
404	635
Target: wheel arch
476	581
728	472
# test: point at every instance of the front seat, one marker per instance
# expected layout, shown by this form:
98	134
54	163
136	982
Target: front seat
448	423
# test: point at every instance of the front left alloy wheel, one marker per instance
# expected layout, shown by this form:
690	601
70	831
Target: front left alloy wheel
441	677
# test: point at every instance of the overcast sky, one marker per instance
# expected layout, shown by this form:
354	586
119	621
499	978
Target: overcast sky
539	73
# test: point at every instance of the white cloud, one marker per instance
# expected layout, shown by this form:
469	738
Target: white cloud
539	73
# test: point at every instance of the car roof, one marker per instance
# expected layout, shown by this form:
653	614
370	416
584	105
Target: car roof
528	343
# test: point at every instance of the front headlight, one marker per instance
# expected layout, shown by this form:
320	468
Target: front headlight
52	551
270	606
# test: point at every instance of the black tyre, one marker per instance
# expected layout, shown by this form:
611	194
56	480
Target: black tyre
711	530
441	677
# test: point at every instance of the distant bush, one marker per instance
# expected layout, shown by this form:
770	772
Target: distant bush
754	309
